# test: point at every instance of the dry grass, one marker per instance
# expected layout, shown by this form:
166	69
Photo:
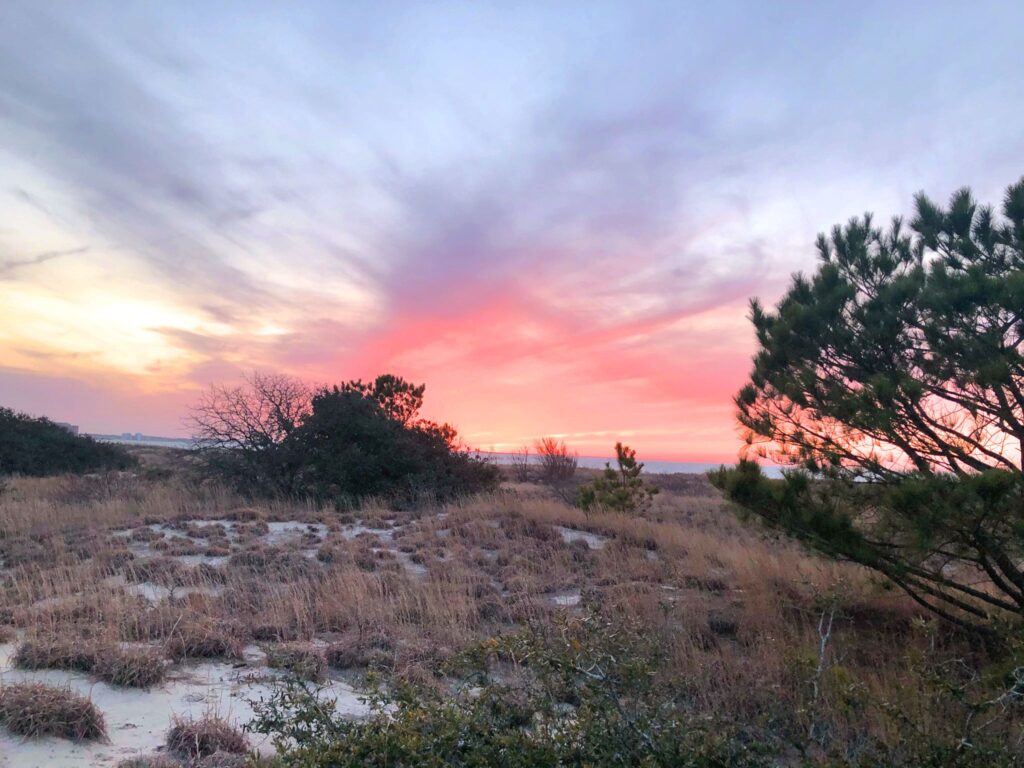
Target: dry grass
203	738
305	661
150	761
56	653
202	638
132	667
34	709
111	662
736	611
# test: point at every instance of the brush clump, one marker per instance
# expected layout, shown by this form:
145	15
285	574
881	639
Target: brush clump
35	709
197	739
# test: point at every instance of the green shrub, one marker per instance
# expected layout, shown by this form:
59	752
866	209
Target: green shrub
38	446
620	489
300	659
591	699
340	443
593	693
354	449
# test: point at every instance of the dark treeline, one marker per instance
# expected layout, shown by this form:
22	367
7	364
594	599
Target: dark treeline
38	446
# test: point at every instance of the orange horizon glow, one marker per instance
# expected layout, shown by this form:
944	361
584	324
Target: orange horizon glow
503	374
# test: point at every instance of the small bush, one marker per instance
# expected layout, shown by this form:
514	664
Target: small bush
302	660
557	463
34	709
280	563
197	739
202	641
131	668
55	653
374	654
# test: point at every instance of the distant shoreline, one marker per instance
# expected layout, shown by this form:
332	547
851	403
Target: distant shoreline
587	462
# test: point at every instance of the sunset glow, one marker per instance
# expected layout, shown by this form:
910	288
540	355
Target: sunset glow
552	216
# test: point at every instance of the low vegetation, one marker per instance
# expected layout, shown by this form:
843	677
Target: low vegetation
109	661
38	446
592	691
586	692
302	660
34	709
195	740
756	648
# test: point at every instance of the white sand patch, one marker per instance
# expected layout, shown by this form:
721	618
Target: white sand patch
280	533
568	597
355	530
137	721
569	535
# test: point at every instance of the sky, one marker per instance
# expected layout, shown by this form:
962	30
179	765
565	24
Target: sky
553	214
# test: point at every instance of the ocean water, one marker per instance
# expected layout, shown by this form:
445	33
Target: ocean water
163	442
653	466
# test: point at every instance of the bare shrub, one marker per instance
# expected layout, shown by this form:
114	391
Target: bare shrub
557	463
521	464
197	739
34	709
279	562
241	431
127	667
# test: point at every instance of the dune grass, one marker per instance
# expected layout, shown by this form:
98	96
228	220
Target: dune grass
187	572
34	709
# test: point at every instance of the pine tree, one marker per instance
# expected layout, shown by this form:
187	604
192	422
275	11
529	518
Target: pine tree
620	489
893	378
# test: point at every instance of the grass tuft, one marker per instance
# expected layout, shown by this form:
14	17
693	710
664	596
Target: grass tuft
149	761
198	739
300	659
202	640
55	653
131	667
35	709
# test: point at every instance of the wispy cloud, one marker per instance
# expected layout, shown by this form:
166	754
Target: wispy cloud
554	215
9	266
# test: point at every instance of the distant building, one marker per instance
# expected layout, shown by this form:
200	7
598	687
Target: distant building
72	428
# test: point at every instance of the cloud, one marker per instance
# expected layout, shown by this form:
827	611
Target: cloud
9	266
